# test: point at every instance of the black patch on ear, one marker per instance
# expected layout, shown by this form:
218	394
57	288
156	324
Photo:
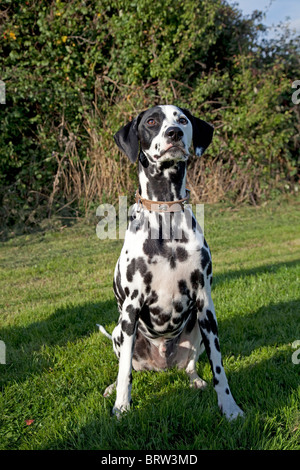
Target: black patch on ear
202	133
127	139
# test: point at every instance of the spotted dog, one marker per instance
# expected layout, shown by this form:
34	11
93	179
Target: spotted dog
163	277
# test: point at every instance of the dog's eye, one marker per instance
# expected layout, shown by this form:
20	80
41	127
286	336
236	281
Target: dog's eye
151	122
182	120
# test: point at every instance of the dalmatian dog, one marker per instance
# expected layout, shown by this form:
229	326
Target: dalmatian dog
163	277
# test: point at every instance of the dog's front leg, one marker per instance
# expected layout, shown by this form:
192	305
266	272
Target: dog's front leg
128	324
209	331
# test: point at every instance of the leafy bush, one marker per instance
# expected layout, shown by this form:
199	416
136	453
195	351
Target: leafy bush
75	71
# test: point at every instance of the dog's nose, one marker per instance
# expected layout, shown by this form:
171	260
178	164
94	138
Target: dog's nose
174	133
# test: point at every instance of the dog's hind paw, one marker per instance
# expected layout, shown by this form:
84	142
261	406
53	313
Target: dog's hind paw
198	383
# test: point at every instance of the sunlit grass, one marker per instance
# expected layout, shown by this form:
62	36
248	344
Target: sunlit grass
55	287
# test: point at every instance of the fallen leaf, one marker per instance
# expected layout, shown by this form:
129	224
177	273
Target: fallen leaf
29	421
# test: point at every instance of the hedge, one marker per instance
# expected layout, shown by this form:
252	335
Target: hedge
76	71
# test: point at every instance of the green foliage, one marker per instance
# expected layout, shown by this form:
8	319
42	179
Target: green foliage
75	70
256	124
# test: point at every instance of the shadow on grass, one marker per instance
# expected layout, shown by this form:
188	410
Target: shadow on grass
188	419
67	324
263	269
263	385
240	334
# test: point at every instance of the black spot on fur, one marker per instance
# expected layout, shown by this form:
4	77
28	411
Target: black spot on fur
200	304
204	324
172	260
148	278
181	254
153	247
178	320
130	270
133	312
141	300
209	323
205	340
166	165
217	345
117	287
197	279
215	381
134	294
205	258
182	286
192	321
144	162
145	316
178	307
155	310
194	224
128	327
153	297
137	264
212	322
162	319
209	269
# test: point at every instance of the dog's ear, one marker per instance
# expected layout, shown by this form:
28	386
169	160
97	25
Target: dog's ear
202	133
127	139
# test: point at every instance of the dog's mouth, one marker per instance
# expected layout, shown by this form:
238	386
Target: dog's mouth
173	150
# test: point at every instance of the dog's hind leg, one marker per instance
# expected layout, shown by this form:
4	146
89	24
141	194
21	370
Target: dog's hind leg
110	389
197	349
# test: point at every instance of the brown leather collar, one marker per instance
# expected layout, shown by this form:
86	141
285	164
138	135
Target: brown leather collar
162	206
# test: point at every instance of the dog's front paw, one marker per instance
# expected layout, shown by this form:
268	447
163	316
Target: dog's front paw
118	410
232	411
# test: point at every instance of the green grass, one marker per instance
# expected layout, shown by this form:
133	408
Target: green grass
55	287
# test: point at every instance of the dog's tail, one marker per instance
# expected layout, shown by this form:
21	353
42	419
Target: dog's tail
103	330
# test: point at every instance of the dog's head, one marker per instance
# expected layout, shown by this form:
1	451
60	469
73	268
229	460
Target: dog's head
164	133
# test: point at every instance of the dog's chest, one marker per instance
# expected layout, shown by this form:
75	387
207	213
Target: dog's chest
165	248
162	275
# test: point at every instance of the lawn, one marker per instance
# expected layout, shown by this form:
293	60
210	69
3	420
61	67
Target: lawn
54	288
